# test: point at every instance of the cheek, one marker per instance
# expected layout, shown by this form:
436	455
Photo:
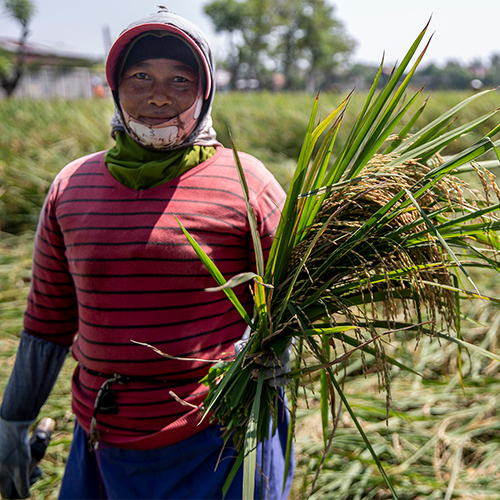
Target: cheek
129	100
186	99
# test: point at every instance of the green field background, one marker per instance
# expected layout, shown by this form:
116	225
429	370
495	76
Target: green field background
436	439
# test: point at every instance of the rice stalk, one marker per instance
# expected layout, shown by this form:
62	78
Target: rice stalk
379	240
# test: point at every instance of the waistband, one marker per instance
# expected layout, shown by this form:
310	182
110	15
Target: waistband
105	403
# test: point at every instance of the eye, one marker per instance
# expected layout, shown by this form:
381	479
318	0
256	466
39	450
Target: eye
183	79
141	76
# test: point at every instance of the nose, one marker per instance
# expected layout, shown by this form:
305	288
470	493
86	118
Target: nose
159	95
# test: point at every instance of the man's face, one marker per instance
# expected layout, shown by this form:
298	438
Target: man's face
155	90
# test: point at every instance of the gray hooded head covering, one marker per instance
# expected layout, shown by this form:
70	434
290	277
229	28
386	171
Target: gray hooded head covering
164	20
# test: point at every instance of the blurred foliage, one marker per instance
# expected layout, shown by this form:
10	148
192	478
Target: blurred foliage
37	138
20	10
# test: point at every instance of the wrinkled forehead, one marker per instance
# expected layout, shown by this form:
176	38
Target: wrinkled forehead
123	52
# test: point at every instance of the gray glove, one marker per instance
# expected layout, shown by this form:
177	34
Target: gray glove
275	369
15	457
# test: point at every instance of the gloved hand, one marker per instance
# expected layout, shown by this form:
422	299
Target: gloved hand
275	369
15	457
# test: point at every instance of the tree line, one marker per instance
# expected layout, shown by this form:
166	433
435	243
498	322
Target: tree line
301	45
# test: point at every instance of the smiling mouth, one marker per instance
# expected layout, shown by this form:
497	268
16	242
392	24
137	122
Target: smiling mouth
153	120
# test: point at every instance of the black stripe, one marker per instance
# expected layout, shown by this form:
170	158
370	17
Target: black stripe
149	227
51	321
147	259
51	295
156	200
160	308
177	376
150	243
133	328
83	174
88	186
251	189
142	275
50	244
161	212
46	255
157	342
59	283
39	306
149	361
135	292
37	264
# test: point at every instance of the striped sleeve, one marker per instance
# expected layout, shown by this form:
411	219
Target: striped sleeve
51	311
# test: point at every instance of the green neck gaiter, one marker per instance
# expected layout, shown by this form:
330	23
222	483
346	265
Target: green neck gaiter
139	168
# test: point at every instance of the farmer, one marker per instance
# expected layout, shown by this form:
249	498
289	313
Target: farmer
113	275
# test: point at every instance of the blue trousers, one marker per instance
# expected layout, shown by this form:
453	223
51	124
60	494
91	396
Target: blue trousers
195	468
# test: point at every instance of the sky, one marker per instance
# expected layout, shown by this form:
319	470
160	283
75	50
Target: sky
462	31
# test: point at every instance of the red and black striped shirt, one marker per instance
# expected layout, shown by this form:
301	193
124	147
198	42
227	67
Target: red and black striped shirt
112	266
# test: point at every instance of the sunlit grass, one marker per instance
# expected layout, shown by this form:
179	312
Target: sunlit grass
49	134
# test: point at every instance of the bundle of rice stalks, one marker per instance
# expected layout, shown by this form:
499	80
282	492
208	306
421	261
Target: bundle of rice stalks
375	241
343	262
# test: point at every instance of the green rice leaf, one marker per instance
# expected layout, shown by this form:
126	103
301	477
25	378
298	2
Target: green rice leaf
432	130
337	171
282	243
252	220
232	473
405	131
251	440
375	115
340	392
431	147
216	274
380	136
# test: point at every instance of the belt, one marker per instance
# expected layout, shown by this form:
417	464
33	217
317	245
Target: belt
105	401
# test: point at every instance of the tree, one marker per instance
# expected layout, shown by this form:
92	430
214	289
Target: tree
299	38
453	76
22	11
247	26
311	43
492	78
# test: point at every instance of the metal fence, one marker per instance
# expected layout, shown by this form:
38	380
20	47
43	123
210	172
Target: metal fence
48	82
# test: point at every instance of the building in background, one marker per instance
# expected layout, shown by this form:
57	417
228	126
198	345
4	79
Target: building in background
55	73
